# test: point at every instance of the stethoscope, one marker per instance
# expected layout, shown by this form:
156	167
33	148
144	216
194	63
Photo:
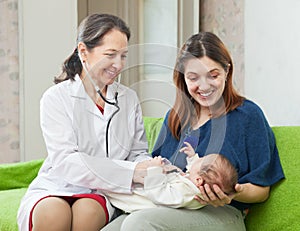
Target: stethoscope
115	103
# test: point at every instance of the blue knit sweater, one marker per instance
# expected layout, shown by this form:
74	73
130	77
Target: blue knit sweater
243	136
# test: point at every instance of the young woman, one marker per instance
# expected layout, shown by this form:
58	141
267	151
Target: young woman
93	131
208	107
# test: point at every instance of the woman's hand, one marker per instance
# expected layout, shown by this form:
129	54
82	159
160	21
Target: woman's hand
246	193
216	197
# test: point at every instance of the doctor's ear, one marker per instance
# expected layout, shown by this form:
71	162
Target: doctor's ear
82	49
82	56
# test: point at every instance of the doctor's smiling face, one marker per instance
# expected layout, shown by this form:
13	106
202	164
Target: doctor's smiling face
105	61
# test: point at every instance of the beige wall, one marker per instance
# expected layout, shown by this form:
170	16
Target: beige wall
47	37
226	19
272	55
9	82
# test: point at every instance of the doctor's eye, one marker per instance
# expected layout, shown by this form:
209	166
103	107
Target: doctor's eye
110	55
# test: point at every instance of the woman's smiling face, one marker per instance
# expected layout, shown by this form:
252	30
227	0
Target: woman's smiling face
106	61
205	80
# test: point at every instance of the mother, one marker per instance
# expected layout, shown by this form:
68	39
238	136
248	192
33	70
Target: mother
208	107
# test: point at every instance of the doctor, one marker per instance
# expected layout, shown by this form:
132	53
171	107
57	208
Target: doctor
95	142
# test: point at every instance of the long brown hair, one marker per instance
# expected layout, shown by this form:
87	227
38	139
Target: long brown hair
91	32
185	108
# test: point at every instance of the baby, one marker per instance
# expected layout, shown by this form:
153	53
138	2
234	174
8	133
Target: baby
176	189
210	169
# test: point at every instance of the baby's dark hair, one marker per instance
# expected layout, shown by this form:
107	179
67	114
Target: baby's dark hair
217	169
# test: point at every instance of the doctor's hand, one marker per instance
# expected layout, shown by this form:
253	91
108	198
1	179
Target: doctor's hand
140	170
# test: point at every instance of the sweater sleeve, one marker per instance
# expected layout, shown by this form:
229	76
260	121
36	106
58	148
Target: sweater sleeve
262	153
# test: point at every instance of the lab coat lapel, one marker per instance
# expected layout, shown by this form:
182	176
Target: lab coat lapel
78	92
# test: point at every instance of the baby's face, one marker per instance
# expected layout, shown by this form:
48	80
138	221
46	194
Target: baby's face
194	172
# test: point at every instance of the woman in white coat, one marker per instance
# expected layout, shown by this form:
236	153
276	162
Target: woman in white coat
93	145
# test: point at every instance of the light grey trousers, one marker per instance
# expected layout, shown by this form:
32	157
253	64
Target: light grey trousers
207	218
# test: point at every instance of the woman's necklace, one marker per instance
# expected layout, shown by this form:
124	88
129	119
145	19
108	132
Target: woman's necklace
204	117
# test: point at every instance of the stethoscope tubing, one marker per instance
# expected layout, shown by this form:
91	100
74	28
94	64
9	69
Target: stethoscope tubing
115	103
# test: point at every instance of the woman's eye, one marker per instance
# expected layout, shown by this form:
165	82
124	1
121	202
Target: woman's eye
113	55
110	55
213	76
192	77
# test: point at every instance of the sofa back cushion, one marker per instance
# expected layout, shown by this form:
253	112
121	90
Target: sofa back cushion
281	211
152	128
18	175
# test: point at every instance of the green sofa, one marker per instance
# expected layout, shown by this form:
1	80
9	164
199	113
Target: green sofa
280	212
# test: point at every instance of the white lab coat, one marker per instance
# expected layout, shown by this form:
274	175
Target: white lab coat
74	133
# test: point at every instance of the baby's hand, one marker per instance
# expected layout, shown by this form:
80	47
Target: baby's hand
188	150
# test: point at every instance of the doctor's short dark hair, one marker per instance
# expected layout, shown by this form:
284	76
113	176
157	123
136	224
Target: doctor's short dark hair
91	31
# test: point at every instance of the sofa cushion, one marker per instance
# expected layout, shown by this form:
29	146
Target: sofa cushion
10	200
281	211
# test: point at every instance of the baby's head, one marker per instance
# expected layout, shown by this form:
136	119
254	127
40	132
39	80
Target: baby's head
214	169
